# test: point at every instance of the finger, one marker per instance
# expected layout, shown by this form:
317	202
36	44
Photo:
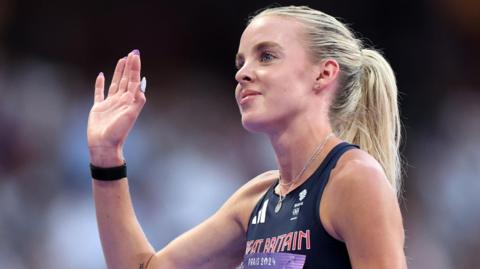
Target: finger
140	100
117	75
122	86
134	75
99	88
126	74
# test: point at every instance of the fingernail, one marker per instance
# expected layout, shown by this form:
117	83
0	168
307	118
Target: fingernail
135	52
100	74
143	84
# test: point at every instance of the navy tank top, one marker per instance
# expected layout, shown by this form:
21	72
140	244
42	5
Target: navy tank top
294	238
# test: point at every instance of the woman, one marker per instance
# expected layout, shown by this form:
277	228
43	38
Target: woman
307	83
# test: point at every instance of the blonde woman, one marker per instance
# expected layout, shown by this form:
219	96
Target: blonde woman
306	82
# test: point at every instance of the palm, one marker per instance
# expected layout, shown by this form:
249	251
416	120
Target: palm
111	118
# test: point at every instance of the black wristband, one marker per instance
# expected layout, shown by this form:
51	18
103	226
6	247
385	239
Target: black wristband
110	173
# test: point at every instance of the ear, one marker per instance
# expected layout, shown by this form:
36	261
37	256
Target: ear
327	74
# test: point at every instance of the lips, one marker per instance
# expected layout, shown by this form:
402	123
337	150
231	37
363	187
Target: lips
246	95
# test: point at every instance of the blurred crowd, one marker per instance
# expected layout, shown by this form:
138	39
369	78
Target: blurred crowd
188	151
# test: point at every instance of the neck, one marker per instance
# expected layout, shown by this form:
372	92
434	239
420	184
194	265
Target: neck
295	146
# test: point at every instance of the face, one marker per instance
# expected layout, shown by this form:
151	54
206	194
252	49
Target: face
275	74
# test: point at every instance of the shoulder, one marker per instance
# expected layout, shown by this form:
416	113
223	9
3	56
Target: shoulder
259	184
362	210
358	191
358	169
242	202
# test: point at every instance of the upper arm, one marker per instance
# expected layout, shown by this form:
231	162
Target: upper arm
218	242
365	214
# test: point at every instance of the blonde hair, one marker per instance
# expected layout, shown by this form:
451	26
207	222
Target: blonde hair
364	110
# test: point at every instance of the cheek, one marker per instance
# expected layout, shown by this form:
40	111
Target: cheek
304	75
289	83
301	82
276	81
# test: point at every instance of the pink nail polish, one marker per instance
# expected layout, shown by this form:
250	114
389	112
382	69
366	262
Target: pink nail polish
100	74
135	52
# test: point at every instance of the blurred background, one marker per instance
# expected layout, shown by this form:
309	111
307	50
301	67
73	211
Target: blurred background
188	152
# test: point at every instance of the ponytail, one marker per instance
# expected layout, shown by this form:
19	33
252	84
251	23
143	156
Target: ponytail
373	122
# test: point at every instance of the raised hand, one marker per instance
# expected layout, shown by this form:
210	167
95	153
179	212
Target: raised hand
111	118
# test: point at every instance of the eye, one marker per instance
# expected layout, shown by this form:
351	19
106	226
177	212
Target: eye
266	56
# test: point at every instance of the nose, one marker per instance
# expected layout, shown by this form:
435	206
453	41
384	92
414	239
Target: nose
244	74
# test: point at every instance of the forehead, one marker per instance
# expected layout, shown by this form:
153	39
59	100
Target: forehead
286	32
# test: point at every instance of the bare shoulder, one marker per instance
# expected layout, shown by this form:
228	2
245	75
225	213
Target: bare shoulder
357	171
259	184
360	207
358	183
244	199
256	186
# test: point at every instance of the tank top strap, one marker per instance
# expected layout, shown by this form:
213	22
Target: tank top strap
324	173
331	161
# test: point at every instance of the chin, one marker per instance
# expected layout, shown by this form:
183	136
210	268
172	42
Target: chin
254	125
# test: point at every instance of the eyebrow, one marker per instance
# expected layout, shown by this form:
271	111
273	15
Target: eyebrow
261	46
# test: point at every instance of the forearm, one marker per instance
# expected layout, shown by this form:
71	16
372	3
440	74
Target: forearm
111	118
123	241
